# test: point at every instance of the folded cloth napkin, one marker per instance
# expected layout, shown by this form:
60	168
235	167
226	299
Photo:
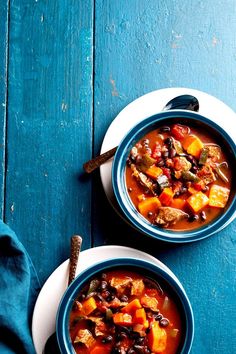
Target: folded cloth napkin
19	287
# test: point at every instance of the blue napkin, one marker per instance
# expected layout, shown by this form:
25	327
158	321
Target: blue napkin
19	287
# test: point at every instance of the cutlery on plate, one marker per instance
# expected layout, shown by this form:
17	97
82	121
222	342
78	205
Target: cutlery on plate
188	102
51	346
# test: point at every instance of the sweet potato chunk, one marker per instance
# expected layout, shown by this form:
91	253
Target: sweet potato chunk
157	338
193	145
218	196
89	306
122	319
140	316
166	196
197	201
132	306
154	172
149	204
178	203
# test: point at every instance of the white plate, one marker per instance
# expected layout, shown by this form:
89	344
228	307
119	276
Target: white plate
150	104
44	316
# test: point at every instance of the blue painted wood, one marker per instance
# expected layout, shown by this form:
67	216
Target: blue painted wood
3	95
140	47
49	126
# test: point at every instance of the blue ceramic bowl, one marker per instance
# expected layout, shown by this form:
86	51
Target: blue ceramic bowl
125	204
143	267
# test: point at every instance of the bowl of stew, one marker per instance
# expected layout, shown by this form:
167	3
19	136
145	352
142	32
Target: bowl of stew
125	306
172	176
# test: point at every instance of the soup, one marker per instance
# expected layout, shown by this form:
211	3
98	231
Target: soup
124	312
178	177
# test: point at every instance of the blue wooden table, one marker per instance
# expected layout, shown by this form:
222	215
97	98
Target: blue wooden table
67	68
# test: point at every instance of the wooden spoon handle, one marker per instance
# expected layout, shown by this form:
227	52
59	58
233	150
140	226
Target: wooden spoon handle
91	165
76	242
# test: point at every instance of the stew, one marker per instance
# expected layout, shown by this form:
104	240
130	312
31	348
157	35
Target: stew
124	312
178	177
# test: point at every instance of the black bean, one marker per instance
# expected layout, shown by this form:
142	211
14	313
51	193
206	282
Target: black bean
130	189
169	142
203	215
158	317
193	217
150	214
121	336
160	163
134	335
128	161
110	297
164	129
124	298
165	154
145	141
148	150
140	340
107	339
172	153
205	189
164	322
104	276
194	169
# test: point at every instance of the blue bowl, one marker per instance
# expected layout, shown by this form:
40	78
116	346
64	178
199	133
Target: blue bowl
125	204
139	266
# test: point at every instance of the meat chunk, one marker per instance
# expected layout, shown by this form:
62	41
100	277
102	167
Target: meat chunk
120	284
137	287
206	174
168	216
181	164
143	179
85	336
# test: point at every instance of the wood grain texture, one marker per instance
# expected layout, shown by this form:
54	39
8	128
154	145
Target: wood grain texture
4	12
49	127
140	47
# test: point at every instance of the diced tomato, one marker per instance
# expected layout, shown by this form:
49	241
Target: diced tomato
167	172
179	131
156	152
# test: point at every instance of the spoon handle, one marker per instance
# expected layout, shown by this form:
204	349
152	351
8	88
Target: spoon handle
76	242
97	161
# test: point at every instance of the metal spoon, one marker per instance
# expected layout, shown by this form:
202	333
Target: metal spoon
187	102
51	346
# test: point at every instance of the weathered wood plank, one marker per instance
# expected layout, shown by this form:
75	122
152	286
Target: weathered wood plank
143	46
49	126
4	11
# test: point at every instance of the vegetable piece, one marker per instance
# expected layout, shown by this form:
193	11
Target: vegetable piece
169	216
163	182
157	338
100	349
154	172
140	316
137	287
93	286
192	190
189	176
193	145
132	306
178	203
149	204
145	162
166	304
179	131
109	314
166	196
221	174
218	196
178	147
197	201
203	156
174	332
89	306
150	303
122	319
